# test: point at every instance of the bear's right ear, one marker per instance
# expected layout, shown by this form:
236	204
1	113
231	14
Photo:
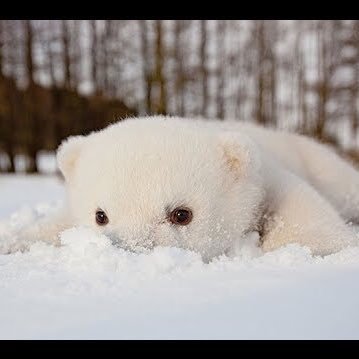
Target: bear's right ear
68	153
239	153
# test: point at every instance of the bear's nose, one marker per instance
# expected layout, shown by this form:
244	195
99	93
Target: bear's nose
134	242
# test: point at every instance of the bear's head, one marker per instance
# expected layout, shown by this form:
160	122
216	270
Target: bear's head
163	181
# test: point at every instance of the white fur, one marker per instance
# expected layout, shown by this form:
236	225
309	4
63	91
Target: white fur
237	178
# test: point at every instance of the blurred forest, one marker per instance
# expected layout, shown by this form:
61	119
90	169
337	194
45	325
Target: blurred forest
65	77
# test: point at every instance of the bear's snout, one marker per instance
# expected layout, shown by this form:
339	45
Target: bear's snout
134	242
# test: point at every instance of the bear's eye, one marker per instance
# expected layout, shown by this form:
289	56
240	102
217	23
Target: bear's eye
181	216
101	217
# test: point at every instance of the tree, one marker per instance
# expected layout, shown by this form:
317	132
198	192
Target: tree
180	75
146	66
10	108
49	41
221	54
301	86
264	36
203	67
160	100
29	58
1	47
94	56
66	57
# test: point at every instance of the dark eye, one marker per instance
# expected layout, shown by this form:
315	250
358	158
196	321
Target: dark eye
181	216
101	218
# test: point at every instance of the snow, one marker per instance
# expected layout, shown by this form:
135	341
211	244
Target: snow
23	191
89	289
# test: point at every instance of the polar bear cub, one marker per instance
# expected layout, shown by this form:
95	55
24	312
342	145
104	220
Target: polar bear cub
203	185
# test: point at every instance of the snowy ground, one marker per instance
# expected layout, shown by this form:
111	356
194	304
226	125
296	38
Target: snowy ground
89	289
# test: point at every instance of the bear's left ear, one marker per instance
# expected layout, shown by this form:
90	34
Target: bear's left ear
68	153
239	153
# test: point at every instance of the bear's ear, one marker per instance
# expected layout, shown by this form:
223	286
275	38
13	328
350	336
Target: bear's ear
68	153
239	154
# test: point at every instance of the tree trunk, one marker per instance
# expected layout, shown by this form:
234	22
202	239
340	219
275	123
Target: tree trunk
146	68
161	98
355	87
29	59
203	67
75	59
180	74
32	125
260	104
1	46
32	161
106	43
322	89
50	59
93	37
66	60
271	57
221	35
11	155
